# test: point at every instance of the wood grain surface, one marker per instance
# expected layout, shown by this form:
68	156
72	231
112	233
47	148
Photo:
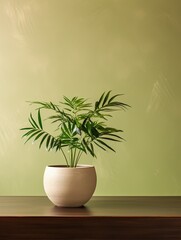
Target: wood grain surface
124	218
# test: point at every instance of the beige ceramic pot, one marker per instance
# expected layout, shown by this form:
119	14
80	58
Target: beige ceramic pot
69	187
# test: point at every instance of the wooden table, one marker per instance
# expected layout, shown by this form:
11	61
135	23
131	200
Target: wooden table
138	218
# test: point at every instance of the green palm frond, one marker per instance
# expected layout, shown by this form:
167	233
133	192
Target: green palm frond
36	131
79	126
76	104
106	103
46	105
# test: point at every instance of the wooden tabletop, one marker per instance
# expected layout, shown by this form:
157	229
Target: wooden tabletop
102	218
97	206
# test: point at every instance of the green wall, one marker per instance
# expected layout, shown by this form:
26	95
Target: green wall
50	48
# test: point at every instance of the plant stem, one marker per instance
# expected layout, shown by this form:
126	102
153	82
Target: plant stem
74	161
78	157
71	158
65	157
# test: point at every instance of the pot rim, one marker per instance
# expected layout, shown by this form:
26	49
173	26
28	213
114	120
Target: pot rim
80	166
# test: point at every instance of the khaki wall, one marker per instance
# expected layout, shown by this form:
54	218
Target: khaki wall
50	48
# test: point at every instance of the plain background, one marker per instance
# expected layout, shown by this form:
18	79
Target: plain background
51	48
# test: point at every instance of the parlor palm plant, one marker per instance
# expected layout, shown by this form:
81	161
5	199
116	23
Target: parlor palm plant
80	126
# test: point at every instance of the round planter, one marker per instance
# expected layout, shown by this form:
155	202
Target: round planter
69	187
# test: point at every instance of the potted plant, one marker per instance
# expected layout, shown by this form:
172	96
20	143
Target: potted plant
80	128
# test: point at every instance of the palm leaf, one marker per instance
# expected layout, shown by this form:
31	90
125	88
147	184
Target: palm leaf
106	145
88	148
112	135
99	101
33	122
27	128
111	139
99	146
48	141
79	126
39	135
29	132
43	139
32	135
113	97
106	98
39	119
